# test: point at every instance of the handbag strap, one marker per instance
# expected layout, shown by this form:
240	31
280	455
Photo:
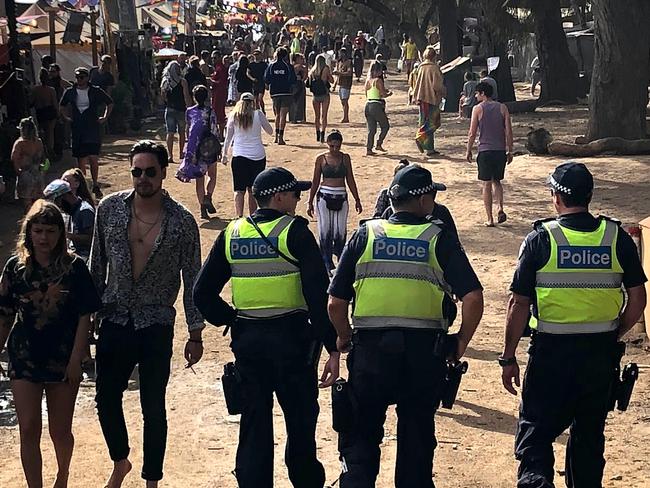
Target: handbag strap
270	244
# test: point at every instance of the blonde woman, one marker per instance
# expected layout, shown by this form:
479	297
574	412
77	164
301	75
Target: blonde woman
27	156
375	110
46	298
244	133
319	82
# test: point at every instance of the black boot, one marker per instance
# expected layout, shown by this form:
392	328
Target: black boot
281	138
207	203
322	136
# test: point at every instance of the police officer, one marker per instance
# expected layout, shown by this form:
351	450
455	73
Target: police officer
400	273
575	270
279	293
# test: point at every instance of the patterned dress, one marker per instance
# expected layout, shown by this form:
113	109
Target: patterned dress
199	121
46	307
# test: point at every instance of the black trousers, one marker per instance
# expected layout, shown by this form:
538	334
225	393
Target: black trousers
274	356
393	367
567	385
119	349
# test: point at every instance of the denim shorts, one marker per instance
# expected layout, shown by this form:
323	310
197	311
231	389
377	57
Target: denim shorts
174	120
344	93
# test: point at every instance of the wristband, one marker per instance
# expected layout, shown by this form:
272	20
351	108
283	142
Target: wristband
507	361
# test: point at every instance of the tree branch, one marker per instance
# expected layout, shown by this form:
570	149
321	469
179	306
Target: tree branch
378	7
427	17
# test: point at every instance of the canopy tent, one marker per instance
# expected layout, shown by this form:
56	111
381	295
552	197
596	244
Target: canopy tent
167	53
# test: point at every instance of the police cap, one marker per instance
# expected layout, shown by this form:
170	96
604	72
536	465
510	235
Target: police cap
277	180
413	181
572	178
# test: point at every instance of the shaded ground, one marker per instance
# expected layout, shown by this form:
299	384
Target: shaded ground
476	437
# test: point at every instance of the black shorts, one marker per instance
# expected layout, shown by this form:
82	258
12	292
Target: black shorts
84	150
491	165
244	171
282	101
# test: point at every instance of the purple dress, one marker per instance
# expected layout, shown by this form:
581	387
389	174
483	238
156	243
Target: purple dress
199	120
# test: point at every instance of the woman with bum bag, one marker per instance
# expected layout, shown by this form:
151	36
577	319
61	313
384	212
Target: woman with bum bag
335	168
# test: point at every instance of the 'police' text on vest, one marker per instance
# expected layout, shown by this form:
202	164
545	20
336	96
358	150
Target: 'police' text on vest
394	249
584	257
253	248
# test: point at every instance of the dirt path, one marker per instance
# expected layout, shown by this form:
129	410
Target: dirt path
476	437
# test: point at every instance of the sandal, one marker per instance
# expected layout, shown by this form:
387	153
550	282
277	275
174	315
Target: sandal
501	217
489	224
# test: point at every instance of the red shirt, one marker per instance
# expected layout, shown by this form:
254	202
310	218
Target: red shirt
219	80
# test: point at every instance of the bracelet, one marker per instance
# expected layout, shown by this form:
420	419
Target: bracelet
507	361
196	341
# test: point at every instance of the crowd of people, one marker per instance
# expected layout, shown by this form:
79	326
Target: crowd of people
119	264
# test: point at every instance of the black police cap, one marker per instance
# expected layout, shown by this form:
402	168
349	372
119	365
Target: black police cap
413	181
572	178
277	180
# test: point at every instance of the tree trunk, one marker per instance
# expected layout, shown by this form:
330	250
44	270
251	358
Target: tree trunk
619	83
558	68
448	22
614	145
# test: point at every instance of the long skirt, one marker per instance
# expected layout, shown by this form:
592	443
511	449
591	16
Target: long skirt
429	121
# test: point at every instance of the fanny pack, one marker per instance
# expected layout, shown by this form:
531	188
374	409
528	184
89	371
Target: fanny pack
333	202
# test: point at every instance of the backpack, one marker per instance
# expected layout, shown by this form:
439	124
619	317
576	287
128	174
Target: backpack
317	86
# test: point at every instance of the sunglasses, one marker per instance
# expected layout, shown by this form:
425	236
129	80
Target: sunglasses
149	172
297	194
81	77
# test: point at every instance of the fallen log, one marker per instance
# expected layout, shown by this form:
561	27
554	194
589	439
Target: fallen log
522	106
616	145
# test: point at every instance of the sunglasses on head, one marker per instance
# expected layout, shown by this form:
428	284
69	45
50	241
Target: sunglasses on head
150	172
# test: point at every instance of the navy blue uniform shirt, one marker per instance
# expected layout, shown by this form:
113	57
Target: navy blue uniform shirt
216	272
536	250
457	270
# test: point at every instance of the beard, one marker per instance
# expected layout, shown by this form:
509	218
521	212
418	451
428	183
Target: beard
147	190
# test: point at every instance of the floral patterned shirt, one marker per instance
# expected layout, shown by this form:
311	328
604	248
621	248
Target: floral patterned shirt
150	299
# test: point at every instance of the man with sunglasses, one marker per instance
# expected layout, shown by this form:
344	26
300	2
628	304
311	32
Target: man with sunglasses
144	241
81	104
278	322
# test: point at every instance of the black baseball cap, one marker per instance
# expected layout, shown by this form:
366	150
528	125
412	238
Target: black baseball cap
413	181
277	180
572	178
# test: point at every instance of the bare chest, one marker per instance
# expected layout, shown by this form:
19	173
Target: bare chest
142	238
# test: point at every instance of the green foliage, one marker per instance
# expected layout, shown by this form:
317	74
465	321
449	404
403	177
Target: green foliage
122	107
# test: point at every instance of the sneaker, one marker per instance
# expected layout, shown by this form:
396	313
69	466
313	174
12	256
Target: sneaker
207	203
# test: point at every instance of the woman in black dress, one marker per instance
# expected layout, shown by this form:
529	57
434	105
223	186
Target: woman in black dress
46	298
245	79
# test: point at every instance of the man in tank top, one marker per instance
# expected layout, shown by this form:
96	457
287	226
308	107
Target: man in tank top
492	122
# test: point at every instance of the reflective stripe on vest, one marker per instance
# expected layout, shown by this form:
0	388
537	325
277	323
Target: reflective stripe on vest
416	273
579	289
264	284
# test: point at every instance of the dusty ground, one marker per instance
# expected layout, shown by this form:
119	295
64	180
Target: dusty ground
476	437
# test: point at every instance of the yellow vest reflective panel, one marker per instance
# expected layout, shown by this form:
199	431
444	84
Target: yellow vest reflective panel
398	281
579	288
264	284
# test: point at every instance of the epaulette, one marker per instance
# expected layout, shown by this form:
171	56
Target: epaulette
538	223
433	220
616	221
300	220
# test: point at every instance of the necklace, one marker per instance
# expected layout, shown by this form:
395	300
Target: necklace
151	225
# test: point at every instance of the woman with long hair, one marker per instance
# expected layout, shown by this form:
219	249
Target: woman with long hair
344	79
244	132
375	110
46	298
201	123
27	156
332	174
297	112
319	81
79	185
245	79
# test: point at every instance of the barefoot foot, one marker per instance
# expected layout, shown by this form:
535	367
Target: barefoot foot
120	470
